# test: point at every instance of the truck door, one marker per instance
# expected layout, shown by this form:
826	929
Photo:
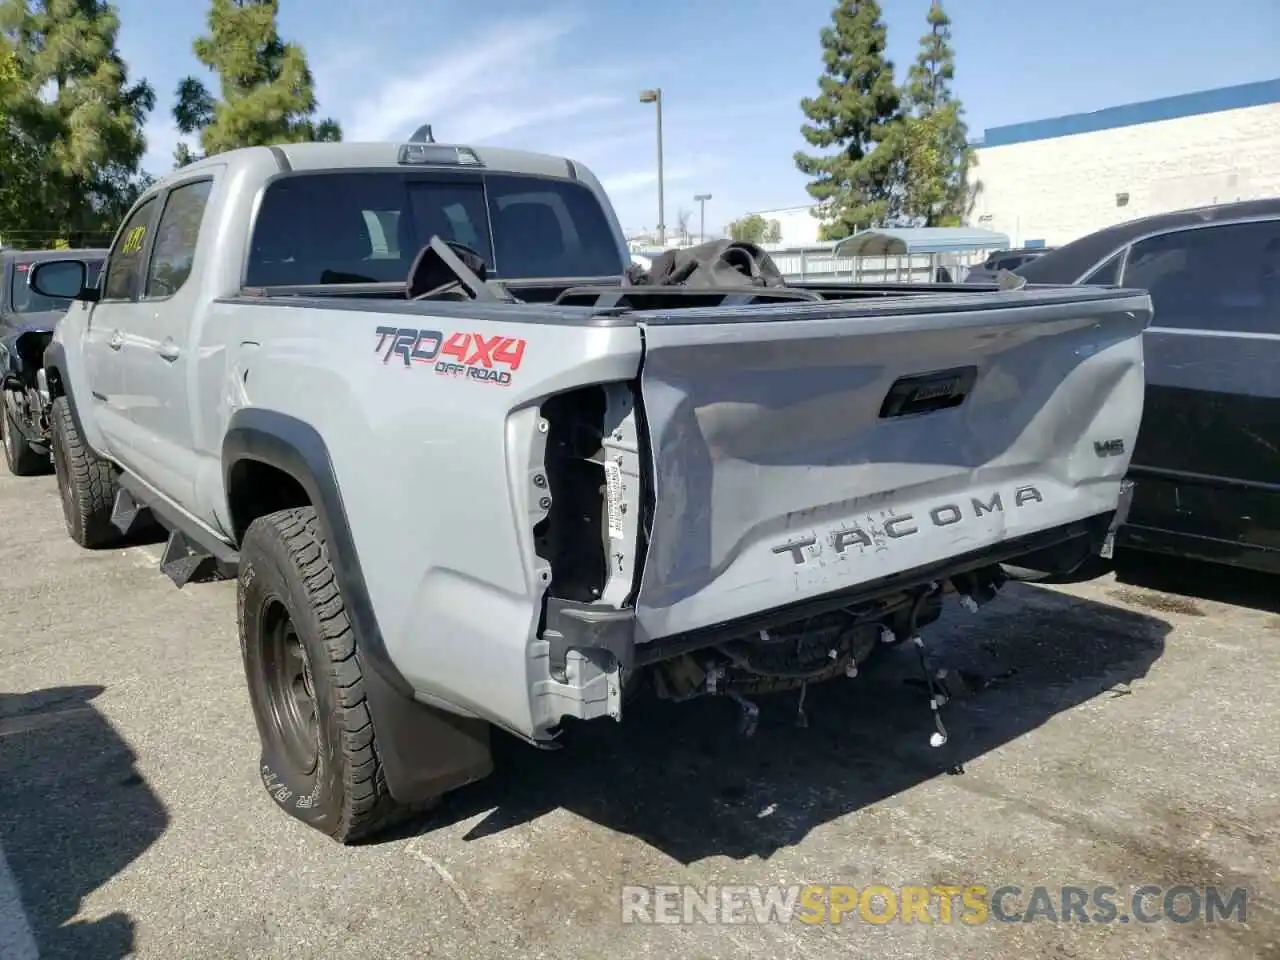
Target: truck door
159	343
1207	461
121	285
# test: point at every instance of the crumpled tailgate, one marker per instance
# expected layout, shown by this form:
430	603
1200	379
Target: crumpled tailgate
802	450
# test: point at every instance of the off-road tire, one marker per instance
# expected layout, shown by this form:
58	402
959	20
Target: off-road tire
19	456
86	483
284	562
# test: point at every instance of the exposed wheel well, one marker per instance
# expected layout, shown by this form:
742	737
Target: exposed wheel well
255	489
53	377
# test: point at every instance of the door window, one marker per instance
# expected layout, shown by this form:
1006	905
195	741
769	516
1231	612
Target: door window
1212	278
176	235
125	264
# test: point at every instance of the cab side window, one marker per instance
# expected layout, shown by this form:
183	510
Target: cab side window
125	265
176	235
1106	274
1222	278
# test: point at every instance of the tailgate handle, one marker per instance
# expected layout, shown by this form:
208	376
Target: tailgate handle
927	392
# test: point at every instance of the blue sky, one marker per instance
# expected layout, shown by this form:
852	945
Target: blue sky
564	76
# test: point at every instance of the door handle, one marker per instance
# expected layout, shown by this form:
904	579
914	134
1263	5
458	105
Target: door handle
116	340
168	349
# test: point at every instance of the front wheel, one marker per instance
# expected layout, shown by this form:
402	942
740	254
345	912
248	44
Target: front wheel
319	761
86	483
21	458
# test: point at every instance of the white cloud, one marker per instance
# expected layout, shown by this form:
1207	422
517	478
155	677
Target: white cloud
490	120
162	139
491	84
637	180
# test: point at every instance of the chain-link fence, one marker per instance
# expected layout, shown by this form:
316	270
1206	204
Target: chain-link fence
52	239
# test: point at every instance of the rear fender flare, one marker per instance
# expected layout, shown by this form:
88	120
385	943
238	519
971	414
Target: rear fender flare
425	751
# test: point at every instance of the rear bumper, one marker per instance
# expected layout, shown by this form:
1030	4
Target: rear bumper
590	630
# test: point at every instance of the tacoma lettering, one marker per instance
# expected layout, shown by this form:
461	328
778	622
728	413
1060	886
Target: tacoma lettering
906	524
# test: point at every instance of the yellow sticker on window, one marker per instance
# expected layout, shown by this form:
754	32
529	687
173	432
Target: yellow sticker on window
133	242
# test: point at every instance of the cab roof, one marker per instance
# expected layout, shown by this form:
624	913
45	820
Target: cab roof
339	156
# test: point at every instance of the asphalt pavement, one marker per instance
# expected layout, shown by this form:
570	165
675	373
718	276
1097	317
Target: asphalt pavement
1103	735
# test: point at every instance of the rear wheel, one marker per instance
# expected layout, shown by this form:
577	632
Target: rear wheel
306	684
86	483
21	458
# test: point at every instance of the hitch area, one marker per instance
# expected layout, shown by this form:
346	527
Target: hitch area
823	647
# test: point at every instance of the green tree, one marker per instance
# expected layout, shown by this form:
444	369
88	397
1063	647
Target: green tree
15	179
267	92
74	116
937	157
856	118
754	228
750	229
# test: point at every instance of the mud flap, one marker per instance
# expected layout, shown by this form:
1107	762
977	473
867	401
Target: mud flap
425	752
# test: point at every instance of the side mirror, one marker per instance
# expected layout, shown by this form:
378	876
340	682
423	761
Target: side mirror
61	280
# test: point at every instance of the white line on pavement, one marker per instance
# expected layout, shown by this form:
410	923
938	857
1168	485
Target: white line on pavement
16	940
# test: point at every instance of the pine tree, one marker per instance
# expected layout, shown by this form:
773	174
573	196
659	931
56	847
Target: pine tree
15	154
75	115
937	157
857	115
267	90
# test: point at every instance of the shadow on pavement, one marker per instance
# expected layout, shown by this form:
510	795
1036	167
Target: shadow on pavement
1204	581
681	777
75	813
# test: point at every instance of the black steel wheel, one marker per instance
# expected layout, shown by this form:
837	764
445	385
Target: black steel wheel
291	691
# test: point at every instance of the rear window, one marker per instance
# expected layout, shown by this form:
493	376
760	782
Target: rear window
25	300
368	227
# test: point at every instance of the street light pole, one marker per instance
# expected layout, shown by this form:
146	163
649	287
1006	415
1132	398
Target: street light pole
654	96
701	200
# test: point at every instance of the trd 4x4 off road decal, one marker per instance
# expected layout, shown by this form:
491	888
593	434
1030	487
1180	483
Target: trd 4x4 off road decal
473	356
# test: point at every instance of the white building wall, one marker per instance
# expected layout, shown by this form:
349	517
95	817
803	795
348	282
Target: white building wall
799	227
1059	189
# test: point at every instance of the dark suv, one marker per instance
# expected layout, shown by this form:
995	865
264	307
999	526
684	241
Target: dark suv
1207	461
27	320
987	271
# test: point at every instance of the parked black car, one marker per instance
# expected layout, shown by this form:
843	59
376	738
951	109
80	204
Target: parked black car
1206	466
27	320
986	271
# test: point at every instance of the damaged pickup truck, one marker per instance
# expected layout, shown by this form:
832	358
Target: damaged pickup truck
471	473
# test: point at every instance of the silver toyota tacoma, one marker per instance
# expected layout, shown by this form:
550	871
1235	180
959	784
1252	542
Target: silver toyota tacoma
520	493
